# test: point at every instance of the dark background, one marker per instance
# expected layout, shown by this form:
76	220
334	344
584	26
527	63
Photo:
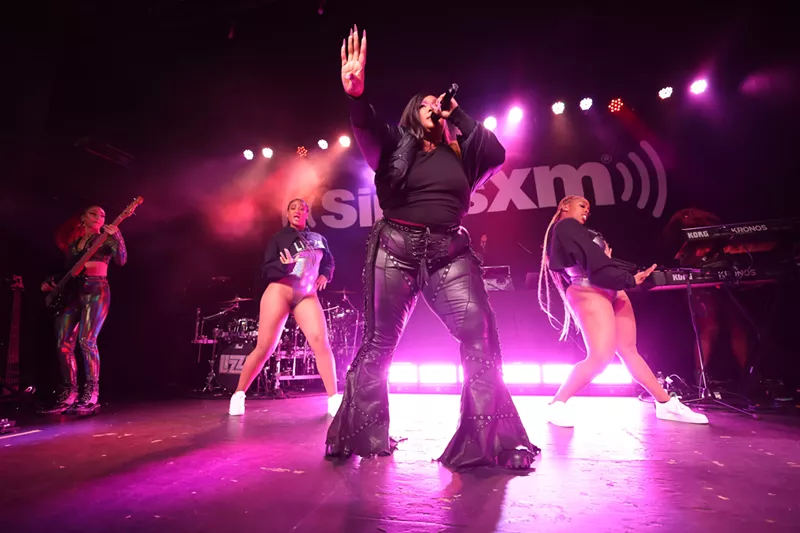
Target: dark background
184	87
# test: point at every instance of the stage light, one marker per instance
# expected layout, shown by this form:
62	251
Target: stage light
490	123
513	374
248	154
514	115
344	140
699	86
301	151
665	93
323	144
267	152
615	105
586	104
558	108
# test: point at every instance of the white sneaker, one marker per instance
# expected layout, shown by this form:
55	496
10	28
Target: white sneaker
237	404
333	404
677	412
559	414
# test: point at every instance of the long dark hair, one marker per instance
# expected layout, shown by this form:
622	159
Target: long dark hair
410	120
410	117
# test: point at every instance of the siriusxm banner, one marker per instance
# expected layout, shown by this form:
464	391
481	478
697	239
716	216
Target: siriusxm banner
626	179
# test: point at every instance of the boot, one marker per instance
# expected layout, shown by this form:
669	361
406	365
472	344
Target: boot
88	403
65	397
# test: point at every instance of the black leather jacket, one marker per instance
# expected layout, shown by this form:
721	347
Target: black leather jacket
390	150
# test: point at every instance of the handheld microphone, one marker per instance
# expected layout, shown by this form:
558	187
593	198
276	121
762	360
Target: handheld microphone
451	92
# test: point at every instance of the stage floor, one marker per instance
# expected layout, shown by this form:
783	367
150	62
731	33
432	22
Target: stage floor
185	466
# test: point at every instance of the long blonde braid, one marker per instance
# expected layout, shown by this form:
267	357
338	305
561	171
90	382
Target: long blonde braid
544	271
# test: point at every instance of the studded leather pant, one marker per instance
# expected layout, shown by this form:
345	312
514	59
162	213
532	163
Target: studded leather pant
402	262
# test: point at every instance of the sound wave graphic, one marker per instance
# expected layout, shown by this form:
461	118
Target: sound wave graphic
644	176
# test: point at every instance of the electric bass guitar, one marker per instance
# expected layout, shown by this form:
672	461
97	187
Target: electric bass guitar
67	288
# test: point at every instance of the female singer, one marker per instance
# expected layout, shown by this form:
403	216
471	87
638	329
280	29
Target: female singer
424	179
297	264
83	317
595	298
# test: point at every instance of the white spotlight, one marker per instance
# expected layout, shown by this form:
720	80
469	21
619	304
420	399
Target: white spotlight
267	152
344	140
323	144
586	104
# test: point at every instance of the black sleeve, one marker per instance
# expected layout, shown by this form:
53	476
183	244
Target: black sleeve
374	137
573	244
118	250
482	153
271	268
328	265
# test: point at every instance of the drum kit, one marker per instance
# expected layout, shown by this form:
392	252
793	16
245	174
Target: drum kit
233	334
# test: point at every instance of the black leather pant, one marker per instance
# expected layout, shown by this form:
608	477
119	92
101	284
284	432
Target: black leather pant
403	261
81	322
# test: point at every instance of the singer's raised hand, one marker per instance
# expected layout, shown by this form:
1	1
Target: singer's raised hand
354	61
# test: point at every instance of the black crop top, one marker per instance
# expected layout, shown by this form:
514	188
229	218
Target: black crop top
295	241
437	191
112	248
573	244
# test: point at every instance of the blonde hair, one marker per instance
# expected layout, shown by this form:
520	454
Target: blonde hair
544	271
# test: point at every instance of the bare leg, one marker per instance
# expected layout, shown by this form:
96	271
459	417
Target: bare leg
627	351
273	312
595	315
311	319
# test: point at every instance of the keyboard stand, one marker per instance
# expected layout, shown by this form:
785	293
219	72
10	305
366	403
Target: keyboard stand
704	393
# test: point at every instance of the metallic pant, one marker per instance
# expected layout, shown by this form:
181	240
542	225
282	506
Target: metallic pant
81	321
403	262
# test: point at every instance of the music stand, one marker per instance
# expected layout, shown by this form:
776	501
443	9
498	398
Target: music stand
704	393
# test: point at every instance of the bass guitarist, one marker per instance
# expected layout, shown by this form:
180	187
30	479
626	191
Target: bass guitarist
84	313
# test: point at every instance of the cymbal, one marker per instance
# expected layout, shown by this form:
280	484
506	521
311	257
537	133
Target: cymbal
222	279
342	291
236	300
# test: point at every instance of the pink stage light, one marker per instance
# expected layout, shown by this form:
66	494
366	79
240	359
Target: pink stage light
344	140
699	86
555	374
490	123
248	154
403	373
521	374
558	108
515	115
438	374
513	374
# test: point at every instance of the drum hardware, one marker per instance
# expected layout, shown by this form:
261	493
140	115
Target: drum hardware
237	300
292	362
212	384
